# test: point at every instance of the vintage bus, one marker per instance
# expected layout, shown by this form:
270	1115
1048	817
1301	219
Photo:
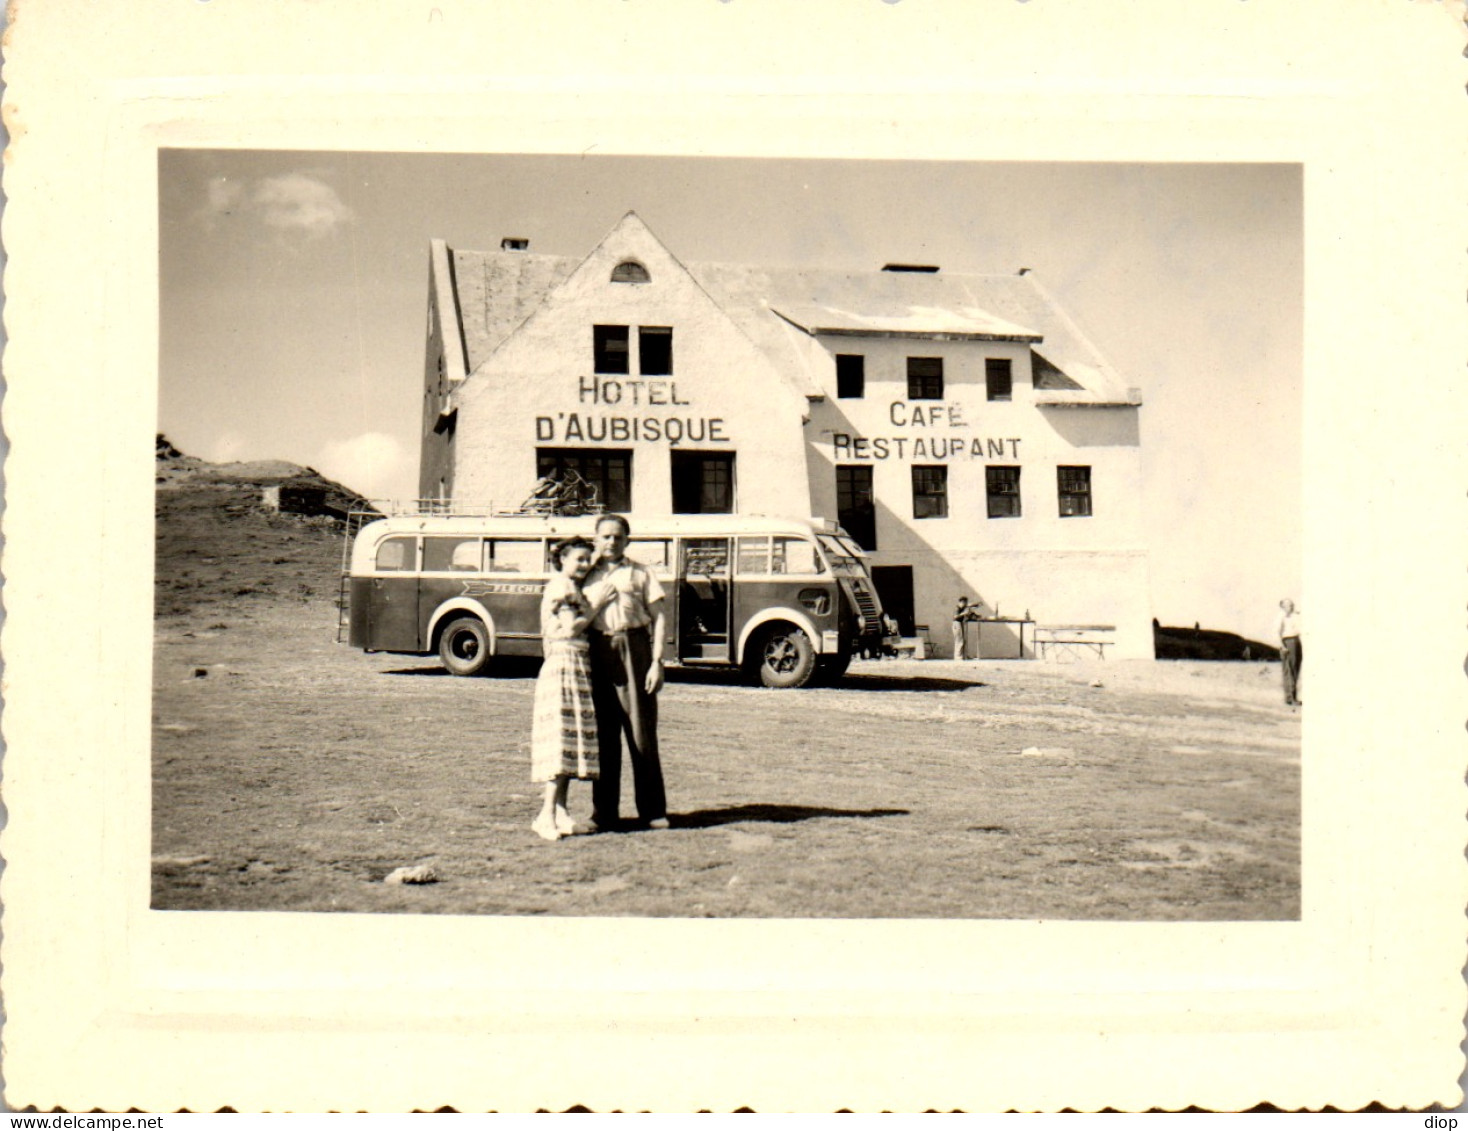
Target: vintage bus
787	600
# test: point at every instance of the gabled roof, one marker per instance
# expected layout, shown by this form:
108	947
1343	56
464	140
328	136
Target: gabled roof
784	310
904	321
499	290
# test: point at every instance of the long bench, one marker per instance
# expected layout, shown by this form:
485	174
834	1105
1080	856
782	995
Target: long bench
1073	641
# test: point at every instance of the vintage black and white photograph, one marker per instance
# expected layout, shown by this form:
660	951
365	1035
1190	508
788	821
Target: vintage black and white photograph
733	556
583	535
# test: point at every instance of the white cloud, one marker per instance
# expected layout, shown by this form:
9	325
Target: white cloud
224	194
297	202
373	464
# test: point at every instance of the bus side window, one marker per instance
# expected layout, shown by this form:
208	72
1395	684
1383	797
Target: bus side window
397	554
706	557
796	555
517	555
652	553
754	554
443	555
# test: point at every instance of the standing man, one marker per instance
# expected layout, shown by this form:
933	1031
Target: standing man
1291	655
626	675
961	616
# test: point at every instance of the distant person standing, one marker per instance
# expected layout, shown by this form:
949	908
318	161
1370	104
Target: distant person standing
962	614
1291	655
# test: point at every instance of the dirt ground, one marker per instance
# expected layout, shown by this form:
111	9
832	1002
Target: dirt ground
294	773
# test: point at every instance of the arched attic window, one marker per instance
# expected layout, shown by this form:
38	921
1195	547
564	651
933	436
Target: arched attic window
630	271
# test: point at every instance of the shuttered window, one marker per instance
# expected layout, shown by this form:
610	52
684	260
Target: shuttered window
1075	491
929	491
1003	491
925	378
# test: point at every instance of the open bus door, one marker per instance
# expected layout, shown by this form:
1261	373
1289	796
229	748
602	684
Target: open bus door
703	599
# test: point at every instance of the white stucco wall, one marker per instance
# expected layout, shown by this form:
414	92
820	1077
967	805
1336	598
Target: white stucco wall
539	391
1073	570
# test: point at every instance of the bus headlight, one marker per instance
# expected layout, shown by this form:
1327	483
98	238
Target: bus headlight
817	601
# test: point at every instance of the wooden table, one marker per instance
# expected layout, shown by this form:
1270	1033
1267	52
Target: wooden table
979	634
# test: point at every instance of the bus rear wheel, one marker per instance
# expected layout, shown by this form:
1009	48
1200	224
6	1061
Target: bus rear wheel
784	657
464	646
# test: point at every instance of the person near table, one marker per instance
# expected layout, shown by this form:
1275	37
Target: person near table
962	614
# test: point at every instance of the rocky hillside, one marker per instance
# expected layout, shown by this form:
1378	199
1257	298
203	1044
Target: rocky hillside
244	532
1208	644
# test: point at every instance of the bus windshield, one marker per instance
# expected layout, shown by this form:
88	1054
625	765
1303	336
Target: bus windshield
844	556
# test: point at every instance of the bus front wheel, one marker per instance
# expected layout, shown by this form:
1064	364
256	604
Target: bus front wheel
784	657
464	646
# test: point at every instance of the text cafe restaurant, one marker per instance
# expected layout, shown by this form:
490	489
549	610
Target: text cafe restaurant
960	427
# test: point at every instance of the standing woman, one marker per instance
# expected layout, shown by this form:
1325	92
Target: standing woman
563	742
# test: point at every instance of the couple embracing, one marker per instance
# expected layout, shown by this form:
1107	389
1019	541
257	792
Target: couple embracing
602	623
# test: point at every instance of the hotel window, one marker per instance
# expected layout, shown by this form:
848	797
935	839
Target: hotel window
999	378
607	470
703	483
1003	489
929	491
610	349
630	271
925	378
856	507
851	375
655	351
1075	491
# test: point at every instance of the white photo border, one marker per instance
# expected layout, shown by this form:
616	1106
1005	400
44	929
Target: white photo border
112	1005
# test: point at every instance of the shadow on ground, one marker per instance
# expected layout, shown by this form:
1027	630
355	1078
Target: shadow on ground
503	667
526	667
733	677
905	683
770	814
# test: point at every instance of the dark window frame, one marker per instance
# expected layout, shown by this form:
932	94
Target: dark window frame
858	517
1077	491
1002	491
606	360
663	349
552	461
929	490
925	378
999	378
680	463
851	384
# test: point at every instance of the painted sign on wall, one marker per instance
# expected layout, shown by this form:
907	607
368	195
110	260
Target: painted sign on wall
910	416
633	392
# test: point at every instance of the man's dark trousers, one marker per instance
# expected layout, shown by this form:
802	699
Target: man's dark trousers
620	662
1291	655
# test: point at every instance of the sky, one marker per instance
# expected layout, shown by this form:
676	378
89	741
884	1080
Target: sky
294	286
